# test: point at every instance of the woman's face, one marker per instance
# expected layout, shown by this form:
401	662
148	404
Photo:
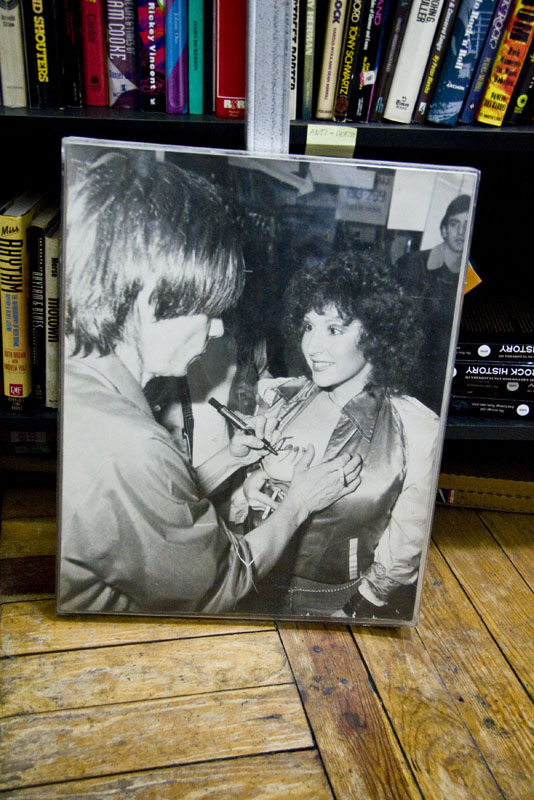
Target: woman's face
331	347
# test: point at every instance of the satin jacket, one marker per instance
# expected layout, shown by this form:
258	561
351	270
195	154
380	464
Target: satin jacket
378	530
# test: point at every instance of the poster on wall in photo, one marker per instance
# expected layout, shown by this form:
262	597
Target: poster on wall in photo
256	367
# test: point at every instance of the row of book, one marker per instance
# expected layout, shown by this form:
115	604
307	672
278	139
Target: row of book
494	367
181	56
427	61
30	265
437	61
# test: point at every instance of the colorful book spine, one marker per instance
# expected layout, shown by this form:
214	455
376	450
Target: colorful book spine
348	77
230	58
176	57
485	62
389	61
196	56
46	219
15	287
308	31
151	29
435	59
413	56
71	51
330	60
508	62
95	84
44	71
369	58
52	267
12	68
293	67
121	41
467	39
521	105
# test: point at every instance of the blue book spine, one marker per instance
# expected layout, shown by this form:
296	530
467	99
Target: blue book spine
487	56
467	38
195	48
176	67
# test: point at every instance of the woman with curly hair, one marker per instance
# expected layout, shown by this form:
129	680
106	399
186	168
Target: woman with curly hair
358	335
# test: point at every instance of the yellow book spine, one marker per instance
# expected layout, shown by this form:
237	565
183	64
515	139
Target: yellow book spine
14	306
507	65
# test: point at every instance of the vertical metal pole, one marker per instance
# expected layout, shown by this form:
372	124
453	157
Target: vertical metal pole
268	65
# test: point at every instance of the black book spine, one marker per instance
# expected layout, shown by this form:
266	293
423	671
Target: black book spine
41	20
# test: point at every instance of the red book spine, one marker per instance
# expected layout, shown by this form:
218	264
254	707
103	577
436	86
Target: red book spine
94	53
230	55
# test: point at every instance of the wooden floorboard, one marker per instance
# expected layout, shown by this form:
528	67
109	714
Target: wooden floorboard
496	589
492	703
358	746
292	775
142	708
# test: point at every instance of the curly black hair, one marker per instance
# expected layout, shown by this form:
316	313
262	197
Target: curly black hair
362	287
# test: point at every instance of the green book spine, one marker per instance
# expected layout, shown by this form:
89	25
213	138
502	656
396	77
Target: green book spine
196	56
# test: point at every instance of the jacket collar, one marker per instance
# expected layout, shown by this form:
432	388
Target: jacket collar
360	411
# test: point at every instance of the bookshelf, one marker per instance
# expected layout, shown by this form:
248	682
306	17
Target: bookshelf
32	139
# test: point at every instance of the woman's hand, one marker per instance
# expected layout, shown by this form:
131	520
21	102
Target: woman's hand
320	486
252	488
249	446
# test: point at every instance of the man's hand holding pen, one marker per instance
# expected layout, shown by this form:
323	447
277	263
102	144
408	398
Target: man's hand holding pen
253	436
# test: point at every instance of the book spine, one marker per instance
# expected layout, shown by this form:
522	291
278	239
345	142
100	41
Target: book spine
507	65
36	256
71	49
420	30
176	57
498	350
398	28
15	287
370	53
470	28
12	68
44	70
293	68
230	58
435	59
151	29
196	56
348	78
512	381
94	53
307	57
52	263
485	62
122	66
209	56
330	60
520	107
490	407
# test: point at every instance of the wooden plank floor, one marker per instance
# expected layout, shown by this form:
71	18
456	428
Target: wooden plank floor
146	708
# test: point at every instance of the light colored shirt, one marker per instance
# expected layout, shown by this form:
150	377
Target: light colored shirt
137	533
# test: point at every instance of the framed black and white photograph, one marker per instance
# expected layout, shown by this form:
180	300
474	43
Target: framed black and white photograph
257	354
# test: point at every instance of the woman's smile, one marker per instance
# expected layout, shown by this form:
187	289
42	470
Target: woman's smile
331	347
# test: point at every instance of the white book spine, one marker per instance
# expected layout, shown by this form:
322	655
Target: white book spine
52	266
268	64
330	64
12	56
413	56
